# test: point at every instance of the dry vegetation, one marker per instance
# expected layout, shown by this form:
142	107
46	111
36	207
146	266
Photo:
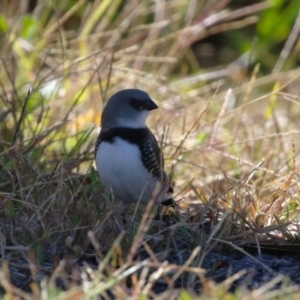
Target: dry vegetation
230	142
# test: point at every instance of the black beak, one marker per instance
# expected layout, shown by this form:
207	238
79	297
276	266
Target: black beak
150	105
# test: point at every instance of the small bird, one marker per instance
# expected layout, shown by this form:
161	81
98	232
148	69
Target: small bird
128	158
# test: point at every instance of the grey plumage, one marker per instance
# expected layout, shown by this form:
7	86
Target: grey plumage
128	158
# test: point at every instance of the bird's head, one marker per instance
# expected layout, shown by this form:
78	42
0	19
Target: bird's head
127	108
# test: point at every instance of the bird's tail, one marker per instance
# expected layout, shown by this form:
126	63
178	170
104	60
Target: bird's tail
169	202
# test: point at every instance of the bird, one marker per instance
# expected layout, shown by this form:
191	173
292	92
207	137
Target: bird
127	155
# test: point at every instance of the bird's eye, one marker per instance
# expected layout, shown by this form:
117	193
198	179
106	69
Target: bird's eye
137	104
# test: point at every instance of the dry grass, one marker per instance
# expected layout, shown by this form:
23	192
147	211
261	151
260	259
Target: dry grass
230	146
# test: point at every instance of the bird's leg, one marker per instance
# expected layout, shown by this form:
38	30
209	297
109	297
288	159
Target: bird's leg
158	212
123	207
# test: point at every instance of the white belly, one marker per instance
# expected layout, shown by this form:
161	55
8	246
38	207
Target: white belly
121	170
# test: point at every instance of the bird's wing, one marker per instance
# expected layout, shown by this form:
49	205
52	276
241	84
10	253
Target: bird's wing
156	149
162	175
152	156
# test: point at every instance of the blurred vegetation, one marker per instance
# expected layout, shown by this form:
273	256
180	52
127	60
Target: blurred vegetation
225	75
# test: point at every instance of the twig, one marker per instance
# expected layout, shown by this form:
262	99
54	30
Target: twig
22	115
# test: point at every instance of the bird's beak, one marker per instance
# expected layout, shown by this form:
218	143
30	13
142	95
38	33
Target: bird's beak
150	105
